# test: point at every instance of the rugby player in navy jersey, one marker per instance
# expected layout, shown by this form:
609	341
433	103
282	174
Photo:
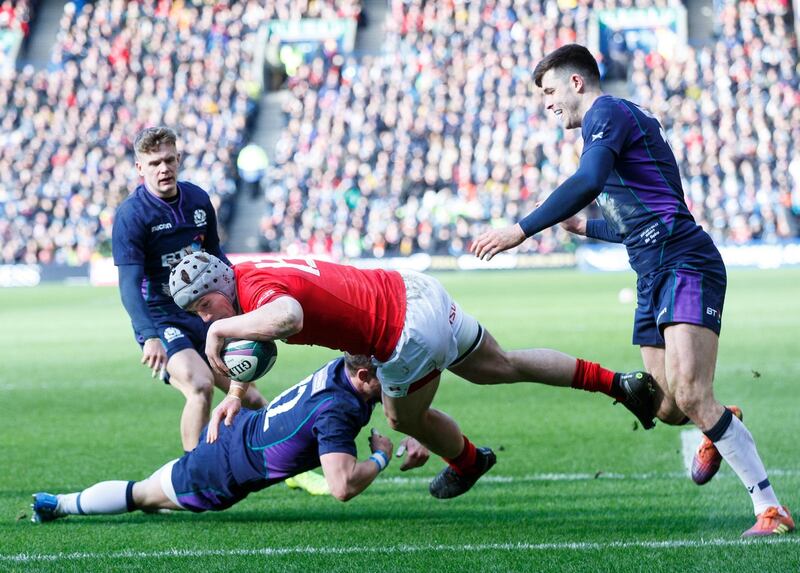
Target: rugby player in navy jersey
313	423
160	222
628	167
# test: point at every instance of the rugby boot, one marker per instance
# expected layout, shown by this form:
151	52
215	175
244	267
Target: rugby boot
44	507
311	482
640	390
772	521
707	458
450	484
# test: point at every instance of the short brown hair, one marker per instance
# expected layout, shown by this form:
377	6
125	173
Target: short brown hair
148	140
354	362
572	57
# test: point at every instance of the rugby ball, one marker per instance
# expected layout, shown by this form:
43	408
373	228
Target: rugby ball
249	360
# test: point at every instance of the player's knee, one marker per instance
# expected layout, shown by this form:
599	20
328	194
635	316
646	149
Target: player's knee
147	495
196	385
404	423
394	423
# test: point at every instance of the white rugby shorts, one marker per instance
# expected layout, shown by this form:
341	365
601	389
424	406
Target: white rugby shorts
436	335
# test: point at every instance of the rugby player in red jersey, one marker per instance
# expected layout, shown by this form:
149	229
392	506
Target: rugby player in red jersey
405	320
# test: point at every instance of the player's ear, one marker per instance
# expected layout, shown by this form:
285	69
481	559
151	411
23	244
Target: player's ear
577	82
364	375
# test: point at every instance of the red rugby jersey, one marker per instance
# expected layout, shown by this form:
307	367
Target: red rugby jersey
358	311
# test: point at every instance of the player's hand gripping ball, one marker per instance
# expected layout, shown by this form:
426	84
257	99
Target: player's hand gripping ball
249	360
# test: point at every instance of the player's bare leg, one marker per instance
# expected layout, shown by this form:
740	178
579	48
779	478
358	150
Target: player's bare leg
412	415
665	408
437	431
489	363
690	359
190	374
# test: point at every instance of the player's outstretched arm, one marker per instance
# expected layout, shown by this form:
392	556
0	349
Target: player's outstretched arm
347	477
567	200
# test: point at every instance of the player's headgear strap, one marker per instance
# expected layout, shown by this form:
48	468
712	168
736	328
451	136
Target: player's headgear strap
198	274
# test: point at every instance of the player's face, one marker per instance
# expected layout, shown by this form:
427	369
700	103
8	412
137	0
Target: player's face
159	169
213	306
562	96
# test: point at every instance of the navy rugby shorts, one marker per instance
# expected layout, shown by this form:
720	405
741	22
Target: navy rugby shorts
203	479
682	295
178	332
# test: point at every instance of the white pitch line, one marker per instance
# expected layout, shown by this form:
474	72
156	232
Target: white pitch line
557	477
306	550
690	441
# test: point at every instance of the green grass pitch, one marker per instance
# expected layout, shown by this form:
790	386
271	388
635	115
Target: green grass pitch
576	488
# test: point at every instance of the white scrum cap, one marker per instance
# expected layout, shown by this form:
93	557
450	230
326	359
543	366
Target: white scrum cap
198	274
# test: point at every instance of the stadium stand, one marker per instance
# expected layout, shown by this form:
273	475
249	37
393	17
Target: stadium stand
443	132
65	148
413	149
731	112
16	16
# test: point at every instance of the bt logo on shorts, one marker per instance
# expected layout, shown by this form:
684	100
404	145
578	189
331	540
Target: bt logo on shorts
713	312
171	333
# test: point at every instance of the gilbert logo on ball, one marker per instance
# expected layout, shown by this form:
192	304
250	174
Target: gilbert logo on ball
249	360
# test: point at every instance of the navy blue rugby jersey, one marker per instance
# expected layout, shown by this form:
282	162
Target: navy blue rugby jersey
151	232
320	415
643	199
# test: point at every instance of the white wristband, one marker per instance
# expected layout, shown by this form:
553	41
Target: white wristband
380	459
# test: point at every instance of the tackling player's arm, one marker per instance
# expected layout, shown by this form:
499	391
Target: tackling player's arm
347	477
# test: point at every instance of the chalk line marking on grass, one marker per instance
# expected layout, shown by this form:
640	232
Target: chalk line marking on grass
400	480
690	441
308	550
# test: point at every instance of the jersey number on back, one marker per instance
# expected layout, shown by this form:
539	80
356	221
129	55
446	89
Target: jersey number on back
310	265
275	409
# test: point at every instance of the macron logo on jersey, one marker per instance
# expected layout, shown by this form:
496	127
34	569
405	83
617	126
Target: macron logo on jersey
597	136
161	227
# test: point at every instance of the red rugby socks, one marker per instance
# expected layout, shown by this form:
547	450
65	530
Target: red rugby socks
592	377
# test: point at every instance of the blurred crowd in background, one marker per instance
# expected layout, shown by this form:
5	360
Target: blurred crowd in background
414	149
15	15
66	132
419	148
